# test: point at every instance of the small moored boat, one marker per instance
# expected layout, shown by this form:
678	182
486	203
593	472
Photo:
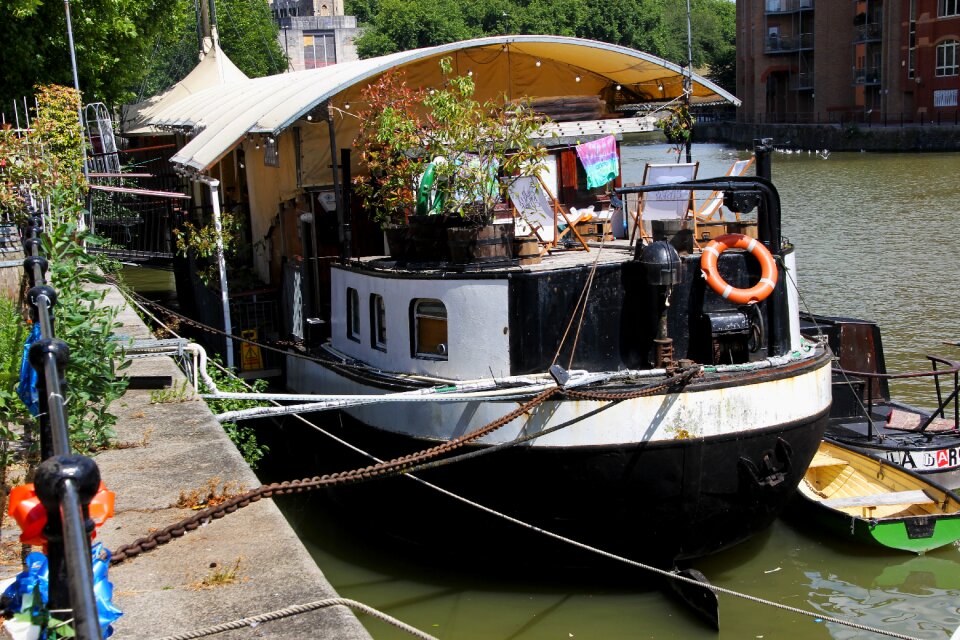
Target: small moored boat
875	502
864	415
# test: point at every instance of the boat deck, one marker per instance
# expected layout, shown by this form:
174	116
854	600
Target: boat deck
857	431
611	252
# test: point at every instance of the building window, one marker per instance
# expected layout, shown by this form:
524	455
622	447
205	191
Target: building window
429	329
271	154
947	58
319	50
948	8
378	322
353	314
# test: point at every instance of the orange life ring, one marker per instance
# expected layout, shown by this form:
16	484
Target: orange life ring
768	268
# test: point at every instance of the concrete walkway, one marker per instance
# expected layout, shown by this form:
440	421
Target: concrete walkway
178	447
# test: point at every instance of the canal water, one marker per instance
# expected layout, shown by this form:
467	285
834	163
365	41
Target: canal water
877	237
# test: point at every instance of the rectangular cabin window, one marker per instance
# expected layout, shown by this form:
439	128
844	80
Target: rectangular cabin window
353	314
429	329
378	322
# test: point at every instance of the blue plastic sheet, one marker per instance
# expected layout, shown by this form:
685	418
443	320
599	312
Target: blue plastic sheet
27	388
36	575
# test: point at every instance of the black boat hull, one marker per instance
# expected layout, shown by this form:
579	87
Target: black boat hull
662	502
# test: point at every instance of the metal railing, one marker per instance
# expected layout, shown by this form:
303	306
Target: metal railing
65	483
868	118
866	75
787	6
786	44
953	369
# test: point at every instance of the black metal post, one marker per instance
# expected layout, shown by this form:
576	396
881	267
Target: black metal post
65	486
342	215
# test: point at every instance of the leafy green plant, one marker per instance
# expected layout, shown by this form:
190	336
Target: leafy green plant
88	326
13	413
201	241
677	126
474	149
243	436
177	393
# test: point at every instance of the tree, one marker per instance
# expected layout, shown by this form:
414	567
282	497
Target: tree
114	40
125	49
654	26
248	35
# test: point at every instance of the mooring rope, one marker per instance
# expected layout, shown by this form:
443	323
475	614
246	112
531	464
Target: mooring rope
656	570
298	609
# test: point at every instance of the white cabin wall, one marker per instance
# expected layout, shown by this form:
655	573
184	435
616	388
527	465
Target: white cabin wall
478	339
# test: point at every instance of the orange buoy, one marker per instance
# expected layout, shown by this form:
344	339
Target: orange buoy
25	507
768	268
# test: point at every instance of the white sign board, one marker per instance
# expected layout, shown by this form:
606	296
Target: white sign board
945	98
533	205
667	205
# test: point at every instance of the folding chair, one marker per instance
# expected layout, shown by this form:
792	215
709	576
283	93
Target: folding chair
664	205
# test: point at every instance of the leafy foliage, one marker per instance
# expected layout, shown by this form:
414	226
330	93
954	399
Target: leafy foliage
469	142
243	436
125	49
47	163
655	26
201	241
88	327
677	127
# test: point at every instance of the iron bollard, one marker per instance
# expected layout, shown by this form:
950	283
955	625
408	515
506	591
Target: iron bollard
37	355
29	265
58	481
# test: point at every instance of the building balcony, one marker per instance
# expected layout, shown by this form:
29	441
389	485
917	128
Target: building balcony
788	6
868	32
866	76
788	44
801	81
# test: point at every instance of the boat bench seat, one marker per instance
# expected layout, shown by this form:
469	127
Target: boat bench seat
822	460
917	496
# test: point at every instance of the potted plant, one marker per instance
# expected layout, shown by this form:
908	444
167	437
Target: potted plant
442	161
677	127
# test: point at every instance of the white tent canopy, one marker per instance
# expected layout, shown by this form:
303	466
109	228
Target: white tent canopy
215	69
518	66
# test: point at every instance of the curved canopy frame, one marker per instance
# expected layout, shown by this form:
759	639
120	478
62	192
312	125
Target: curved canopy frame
514	66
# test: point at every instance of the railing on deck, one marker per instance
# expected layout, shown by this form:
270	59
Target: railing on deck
65	483
953	369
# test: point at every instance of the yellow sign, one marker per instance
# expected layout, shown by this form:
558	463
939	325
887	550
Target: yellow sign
250	357
307	41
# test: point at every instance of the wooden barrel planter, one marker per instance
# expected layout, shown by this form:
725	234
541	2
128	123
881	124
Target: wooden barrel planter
490	243
527	249
398	241
428	238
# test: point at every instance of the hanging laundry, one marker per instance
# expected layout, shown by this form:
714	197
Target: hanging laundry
599	159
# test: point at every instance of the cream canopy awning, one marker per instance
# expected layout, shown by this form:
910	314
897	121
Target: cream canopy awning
515	66
214	70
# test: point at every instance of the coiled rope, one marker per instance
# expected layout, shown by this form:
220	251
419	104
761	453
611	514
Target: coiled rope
297	609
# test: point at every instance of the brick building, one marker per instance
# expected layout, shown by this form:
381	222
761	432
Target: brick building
848	60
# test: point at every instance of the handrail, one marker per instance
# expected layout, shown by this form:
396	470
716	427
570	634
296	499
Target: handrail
65	483
953	368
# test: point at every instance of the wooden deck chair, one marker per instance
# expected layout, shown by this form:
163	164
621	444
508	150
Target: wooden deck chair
664	205
533	202
713	204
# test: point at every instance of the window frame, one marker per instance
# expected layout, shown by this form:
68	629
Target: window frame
378	322
415	317
948	8
353	314
947	63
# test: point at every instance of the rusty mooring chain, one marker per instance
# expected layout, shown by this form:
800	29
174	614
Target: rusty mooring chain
390	467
